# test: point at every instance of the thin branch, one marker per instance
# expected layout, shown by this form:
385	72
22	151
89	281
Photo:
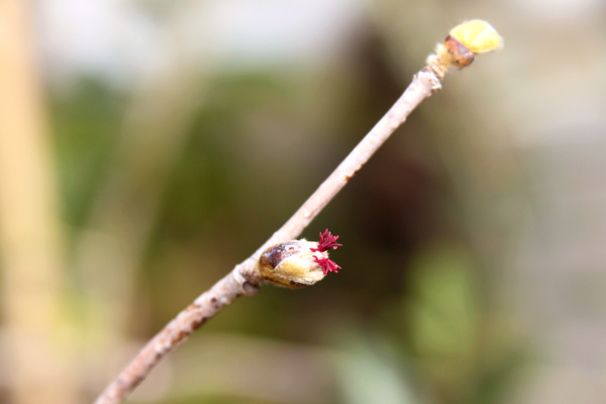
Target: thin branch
244	279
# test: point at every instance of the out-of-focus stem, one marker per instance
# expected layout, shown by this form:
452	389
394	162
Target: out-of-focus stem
109	251
30	242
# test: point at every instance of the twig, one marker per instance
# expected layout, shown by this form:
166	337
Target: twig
245	279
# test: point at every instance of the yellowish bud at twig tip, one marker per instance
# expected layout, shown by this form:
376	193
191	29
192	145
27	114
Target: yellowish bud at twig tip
461	45
478	36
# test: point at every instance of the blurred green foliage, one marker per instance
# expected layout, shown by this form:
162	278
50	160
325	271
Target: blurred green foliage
86	121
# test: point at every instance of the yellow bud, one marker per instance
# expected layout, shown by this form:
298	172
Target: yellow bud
478	36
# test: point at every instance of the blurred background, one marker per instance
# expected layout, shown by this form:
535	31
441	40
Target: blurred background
147	146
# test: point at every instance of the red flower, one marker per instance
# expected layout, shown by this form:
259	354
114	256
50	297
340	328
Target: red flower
328	241
327	265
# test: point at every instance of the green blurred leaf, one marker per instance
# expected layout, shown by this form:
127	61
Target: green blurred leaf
444	313
369	372
443	319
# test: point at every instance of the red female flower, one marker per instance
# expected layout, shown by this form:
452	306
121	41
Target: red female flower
328	241
327	265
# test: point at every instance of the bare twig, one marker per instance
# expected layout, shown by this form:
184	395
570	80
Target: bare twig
244	279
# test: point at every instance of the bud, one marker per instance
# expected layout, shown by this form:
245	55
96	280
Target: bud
299	263
462	44
477	35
